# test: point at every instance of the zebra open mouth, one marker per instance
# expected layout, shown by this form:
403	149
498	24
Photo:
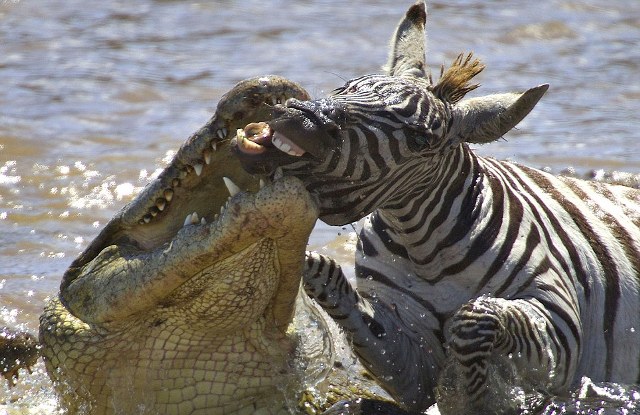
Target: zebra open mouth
295	133
255	138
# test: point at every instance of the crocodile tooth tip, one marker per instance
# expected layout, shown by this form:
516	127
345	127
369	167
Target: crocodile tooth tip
198	168
231	186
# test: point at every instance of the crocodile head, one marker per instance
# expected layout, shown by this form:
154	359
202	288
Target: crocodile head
162	314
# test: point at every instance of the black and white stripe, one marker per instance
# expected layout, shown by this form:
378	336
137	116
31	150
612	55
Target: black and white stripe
464	255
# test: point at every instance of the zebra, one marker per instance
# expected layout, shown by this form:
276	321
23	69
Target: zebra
462	260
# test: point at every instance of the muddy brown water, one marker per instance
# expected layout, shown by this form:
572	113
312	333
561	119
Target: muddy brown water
95	97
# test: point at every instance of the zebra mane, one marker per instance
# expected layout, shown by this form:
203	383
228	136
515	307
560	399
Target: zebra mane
454	84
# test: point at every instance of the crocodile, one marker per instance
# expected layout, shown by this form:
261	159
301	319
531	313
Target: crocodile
189	300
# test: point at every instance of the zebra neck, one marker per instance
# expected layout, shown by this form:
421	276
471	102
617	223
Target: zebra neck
430	221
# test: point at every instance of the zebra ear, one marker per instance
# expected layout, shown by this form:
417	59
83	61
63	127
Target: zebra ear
485	119
407	54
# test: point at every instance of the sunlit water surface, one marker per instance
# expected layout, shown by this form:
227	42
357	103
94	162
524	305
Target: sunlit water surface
95	97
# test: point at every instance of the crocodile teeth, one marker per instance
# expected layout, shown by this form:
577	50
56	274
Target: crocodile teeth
283	144
146	218
222	133
191	219
231	186
168	195
161	204
207	156
214	145
226	204
262	183
198	168
203	221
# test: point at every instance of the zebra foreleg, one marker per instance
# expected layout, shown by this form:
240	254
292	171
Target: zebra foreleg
401	360
512	336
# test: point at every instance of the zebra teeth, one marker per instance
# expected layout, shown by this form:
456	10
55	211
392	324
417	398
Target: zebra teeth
285	145
198	168
247	146
231	186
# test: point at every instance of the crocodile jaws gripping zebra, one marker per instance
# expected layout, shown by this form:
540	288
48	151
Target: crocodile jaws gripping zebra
464	263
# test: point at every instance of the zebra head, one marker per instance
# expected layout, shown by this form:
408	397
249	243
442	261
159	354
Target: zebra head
353	148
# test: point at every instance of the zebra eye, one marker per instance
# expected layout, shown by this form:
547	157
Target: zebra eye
418	140
422	140
346	89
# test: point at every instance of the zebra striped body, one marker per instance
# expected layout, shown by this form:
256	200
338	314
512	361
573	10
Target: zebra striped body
461	259
517	233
